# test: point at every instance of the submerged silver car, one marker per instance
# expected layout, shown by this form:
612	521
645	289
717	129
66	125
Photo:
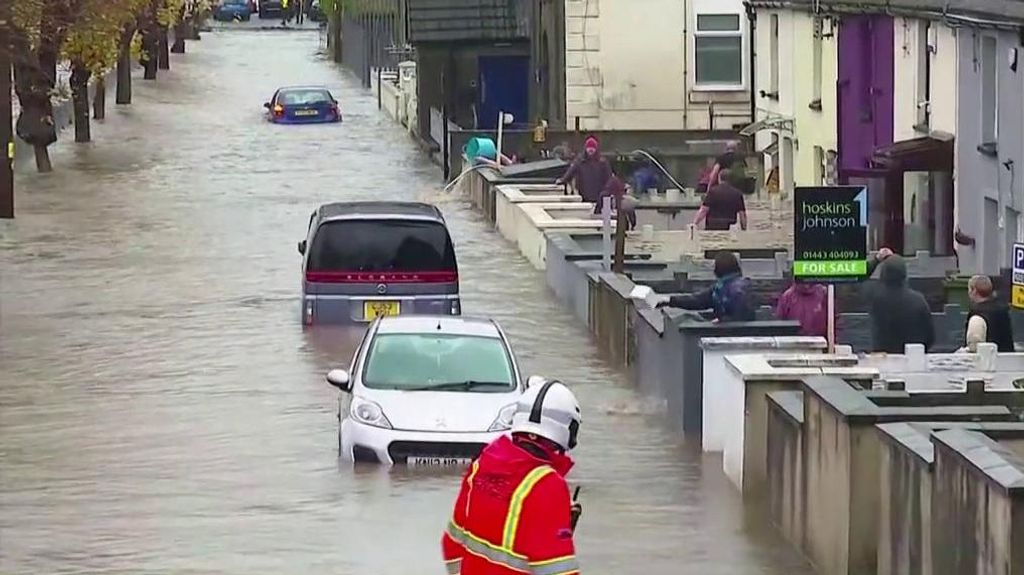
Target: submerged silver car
364	260
427	391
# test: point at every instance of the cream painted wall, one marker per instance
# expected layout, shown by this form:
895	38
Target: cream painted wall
811	128
907	39
912	42
632	69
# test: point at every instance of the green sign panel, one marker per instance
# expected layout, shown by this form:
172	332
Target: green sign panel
830	234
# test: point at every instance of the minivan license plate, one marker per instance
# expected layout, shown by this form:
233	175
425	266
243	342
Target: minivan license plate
374	309
439	461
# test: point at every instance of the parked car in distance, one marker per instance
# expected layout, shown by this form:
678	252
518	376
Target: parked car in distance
363	260
270	8
427	391
231	10
303	105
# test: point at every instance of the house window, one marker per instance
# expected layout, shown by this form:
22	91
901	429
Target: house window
989	95
924	77
718	51
816	66
774	58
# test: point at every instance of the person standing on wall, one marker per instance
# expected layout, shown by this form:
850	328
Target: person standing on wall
722	206
806	303
723	162
590	171
729	299
899	315
988	319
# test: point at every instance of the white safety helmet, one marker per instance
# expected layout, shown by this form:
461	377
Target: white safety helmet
549	410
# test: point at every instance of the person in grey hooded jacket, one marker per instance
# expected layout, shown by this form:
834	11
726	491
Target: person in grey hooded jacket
899	314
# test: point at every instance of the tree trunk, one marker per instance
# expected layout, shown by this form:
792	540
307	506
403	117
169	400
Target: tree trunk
180	30
6	136
150	52
165	55
35	123
80	101
99	101
124	68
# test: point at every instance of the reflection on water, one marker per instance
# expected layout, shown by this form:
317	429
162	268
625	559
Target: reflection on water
162	410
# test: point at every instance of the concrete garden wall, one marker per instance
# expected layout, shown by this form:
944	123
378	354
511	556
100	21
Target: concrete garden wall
842	461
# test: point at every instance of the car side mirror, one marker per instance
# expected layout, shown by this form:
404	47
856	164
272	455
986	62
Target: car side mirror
302	247
534	380
339	378
266	105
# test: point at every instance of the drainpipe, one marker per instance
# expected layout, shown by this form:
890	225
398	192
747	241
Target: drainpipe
686	65
752	20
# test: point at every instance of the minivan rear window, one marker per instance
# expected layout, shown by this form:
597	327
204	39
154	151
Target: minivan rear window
382	246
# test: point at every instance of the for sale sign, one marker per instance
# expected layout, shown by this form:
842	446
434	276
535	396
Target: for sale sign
830	234
1017	290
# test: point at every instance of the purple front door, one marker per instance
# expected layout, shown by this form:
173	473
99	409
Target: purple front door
865	104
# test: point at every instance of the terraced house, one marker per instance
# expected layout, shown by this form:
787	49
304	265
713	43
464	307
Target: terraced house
920	100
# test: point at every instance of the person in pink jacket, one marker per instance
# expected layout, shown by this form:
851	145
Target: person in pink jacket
808	304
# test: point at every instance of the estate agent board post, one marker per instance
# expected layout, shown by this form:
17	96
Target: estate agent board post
1017	289
830	240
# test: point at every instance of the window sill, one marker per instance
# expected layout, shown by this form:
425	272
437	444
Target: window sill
815	105
719	88
989	149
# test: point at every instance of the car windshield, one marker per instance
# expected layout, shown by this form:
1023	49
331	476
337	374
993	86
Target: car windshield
447	362
303	97
382	246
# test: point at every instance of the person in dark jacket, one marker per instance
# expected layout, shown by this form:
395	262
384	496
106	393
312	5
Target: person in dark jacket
728	299
591	171
988	319
899	314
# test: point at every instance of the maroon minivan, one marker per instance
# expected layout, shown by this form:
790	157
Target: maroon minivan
363	260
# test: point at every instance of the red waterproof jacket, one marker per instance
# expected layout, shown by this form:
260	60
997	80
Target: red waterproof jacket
512	515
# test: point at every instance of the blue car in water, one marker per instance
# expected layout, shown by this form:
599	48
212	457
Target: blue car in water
232	10
303	105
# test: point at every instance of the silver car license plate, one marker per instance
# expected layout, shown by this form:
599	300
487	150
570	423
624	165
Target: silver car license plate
438	461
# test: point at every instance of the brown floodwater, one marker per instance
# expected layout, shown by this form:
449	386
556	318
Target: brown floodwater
163	411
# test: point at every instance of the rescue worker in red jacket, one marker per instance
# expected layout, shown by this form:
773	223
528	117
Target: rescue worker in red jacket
513	514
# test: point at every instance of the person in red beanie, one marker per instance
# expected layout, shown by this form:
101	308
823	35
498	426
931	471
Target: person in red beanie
590	171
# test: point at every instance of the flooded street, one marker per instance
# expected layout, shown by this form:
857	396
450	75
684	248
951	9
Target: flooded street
163	411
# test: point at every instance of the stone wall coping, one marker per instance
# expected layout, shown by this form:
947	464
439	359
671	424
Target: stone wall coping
645	202
759	368
689	325
855	406
541	219
654	318
514	194
754	343
915	436
791	403
999	465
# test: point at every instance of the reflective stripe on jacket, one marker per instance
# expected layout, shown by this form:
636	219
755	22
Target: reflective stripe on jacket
512	515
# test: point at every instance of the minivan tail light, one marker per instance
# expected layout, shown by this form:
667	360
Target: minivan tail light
382	277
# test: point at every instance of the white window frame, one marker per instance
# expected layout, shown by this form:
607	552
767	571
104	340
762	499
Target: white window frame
719	7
